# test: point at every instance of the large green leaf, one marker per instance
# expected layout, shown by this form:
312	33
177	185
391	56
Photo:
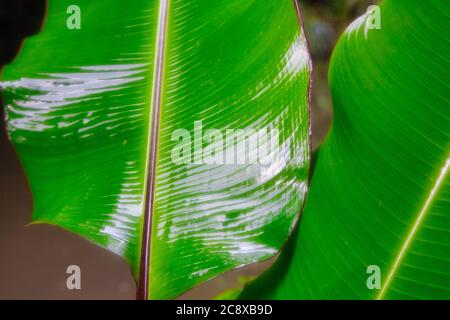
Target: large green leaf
91	113
380	192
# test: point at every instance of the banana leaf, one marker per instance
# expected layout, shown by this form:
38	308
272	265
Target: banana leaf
379	199
103	101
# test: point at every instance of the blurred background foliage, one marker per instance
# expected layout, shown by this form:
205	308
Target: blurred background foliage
324	21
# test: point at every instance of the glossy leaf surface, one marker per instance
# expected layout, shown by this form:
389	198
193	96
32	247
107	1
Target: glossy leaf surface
380	191
93	113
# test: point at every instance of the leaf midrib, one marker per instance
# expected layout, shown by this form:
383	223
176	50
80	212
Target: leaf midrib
152	150
439	181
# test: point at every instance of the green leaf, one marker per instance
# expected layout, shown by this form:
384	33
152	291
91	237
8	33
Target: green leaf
92	113
380	192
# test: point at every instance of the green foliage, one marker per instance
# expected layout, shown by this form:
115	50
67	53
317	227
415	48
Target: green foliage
92	120
81	103
380	192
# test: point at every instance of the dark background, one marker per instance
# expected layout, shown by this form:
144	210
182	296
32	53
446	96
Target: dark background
33	259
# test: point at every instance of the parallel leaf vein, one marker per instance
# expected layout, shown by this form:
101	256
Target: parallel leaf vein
432	195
